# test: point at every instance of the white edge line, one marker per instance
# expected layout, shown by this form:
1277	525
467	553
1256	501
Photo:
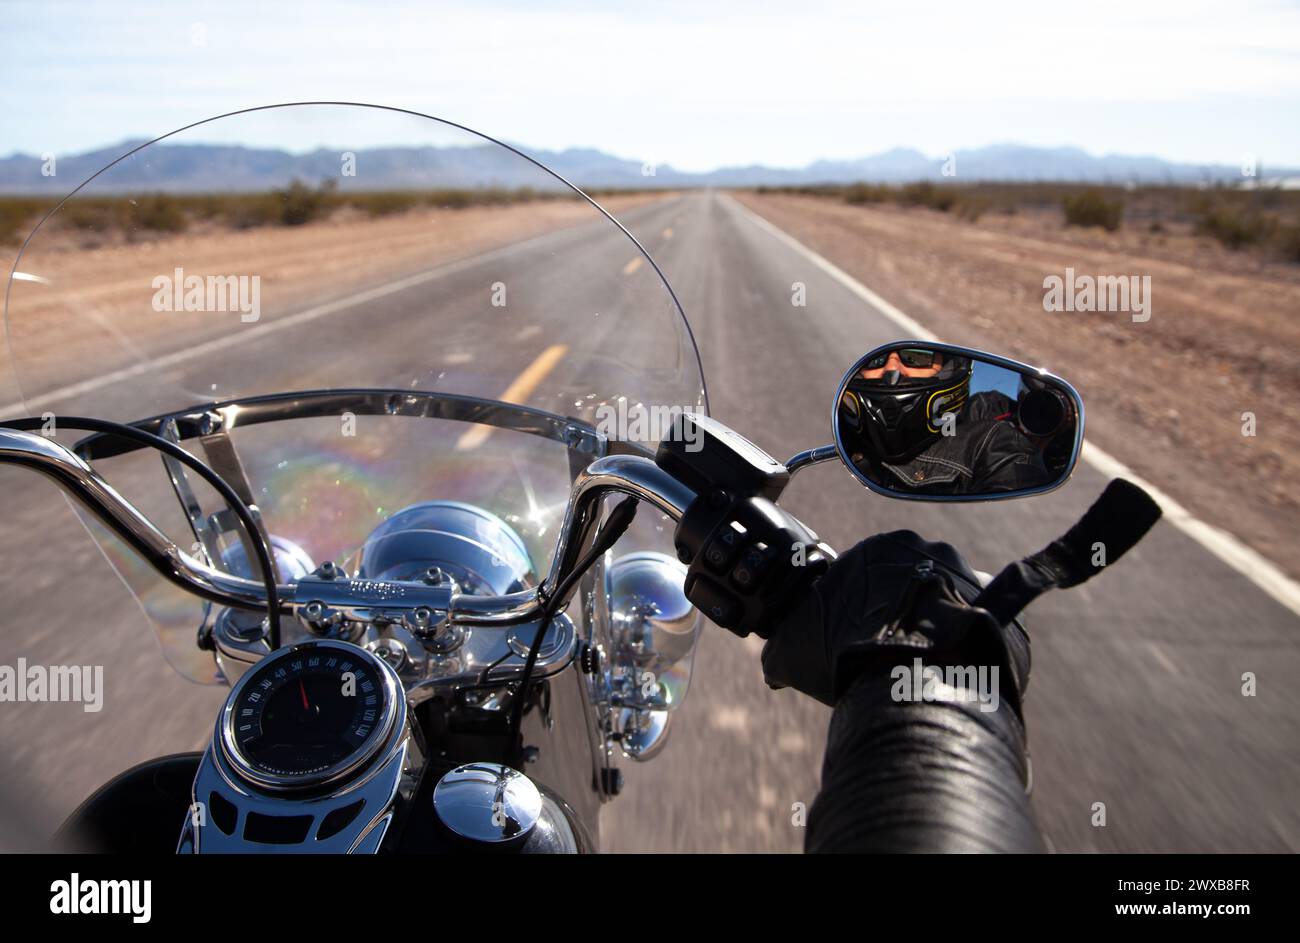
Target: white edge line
1229	549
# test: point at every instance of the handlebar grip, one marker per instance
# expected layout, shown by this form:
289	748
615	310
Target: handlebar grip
748	560
1117	520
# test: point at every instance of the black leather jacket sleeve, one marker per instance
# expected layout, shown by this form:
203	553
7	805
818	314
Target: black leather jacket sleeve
923	776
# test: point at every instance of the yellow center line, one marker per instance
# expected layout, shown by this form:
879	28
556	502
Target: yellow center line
633	265
517	392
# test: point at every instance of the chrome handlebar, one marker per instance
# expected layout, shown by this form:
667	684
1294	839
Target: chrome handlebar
75	476
363	601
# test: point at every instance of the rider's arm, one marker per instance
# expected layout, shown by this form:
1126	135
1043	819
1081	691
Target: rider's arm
927	776
917	760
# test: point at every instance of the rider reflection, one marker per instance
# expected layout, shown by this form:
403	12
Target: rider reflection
910	423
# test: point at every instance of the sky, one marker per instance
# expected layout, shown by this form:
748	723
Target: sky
691	84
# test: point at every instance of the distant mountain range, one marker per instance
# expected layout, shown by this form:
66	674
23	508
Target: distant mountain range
212	167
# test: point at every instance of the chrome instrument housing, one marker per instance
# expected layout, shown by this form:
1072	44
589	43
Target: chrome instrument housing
368	795
390	692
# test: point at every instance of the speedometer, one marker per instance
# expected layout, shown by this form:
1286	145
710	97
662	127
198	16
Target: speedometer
309	714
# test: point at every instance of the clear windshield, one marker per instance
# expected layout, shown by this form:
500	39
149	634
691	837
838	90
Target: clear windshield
344	247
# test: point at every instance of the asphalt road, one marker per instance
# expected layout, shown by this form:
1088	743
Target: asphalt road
1136	699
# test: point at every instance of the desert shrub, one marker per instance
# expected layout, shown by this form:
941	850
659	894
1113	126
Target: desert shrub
971	208
925	193
18	215
1235	227
859	193
251	210
300	204
208	206
157	212
13	223
450	199
1288	242
1091	208
385	203
90	214
493	196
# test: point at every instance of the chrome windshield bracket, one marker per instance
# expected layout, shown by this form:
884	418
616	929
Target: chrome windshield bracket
224	460
205	534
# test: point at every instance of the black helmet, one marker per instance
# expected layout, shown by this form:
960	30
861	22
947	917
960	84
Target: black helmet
899	416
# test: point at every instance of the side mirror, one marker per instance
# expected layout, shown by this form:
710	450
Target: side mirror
934	422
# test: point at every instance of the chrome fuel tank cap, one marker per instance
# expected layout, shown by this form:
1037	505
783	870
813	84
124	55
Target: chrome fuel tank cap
487	802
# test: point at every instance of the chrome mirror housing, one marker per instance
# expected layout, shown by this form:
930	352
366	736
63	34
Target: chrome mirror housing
924	421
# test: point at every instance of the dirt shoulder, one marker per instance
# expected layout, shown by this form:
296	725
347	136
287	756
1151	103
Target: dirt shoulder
1167	396
99	289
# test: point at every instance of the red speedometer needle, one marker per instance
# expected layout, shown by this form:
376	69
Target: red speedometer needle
303	691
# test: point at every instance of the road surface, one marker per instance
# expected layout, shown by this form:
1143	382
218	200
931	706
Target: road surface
1136	700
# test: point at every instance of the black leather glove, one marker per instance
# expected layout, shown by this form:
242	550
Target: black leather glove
890	599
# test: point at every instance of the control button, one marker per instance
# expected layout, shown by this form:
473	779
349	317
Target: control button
721	549
714	601
753	564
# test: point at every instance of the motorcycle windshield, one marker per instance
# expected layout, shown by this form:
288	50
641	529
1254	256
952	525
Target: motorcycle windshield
428	270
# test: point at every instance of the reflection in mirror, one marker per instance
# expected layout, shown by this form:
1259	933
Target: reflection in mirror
933	421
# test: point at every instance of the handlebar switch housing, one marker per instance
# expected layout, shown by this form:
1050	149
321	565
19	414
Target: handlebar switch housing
709	456
748	560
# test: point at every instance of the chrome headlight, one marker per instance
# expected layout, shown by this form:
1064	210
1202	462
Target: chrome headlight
654	628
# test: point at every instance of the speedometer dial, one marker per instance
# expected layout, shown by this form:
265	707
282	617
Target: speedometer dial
308	714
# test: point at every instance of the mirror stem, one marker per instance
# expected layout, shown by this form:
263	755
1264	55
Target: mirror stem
823	453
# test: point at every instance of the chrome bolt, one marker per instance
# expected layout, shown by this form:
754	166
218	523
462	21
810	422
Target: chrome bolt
319	617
